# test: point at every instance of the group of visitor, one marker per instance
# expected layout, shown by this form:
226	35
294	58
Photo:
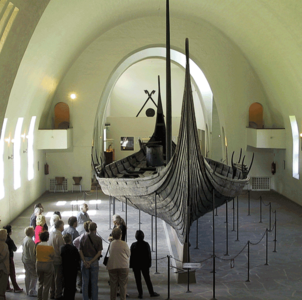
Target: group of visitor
61	260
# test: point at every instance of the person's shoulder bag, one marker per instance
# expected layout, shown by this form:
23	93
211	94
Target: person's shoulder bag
106	258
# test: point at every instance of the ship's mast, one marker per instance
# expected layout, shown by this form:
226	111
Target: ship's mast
168	89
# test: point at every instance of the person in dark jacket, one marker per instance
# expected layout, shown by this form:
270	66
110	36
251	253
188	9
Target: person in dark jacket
12	272
70	264
140	262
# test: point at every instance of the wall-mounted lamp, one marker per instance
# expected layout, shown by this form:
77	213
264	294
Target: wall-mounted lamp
73	96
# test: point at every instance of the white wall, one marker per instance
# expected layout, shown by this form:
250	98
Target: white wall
15	201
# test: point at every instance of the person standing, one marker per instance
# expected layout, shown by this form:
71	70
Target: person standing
72	222
45	269
56	240
118	265
82	217
12	272
4	263
70	265
38	210
119	222
53	219
76	243
29	261
40	222
91	247
140	262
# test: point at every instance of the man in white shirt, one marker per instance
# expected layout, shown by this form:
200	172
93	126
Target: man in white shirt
29	261
56	240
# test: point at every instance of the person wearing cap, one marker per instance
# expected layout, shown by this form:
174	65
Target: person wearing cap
4	263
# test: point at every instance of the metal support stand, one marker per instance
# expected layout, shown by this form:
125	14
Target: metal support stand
249	202
139	219
233	214
196	246
266	247
110	216
237	240
226	229
152	238
275	233
248	261
126	213
123	210
97	197
214	255
156	272
260	209
270	216
169	257
113	206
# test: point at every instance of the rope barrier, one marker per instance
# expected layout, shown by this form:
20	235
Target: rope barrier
226	259
254	244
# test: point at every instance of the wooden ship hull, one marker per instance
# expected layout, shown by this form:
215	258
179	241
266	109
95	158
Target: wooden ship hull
182	189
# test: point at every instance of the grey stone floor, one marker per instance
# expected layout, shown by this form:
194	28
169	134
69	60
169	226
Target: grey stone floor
280	279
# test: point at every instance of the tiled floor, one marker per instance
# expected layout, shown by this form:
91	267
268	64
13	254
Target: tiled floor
280	279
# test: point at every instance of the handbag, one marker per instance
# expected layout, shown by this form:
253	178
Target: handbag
94	247
106	258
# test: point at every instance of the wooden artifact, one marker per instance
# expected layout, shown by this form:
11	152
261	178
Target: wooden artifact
183	188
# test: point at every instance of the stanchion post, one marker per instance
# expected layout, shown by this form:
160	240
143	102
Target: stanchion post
126	213
156	272
196	246
169	257
233	214
237	240
249	202
226	229
266	247
123	207
260	209
152	238
214	255
275	235
270	216
248	261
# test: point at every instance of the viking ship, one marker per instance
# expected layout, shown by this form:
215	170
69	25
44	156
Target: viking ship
182	190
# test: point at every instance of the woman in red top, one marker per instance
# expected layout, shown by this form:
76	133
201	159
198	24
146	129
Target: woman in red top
40	221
